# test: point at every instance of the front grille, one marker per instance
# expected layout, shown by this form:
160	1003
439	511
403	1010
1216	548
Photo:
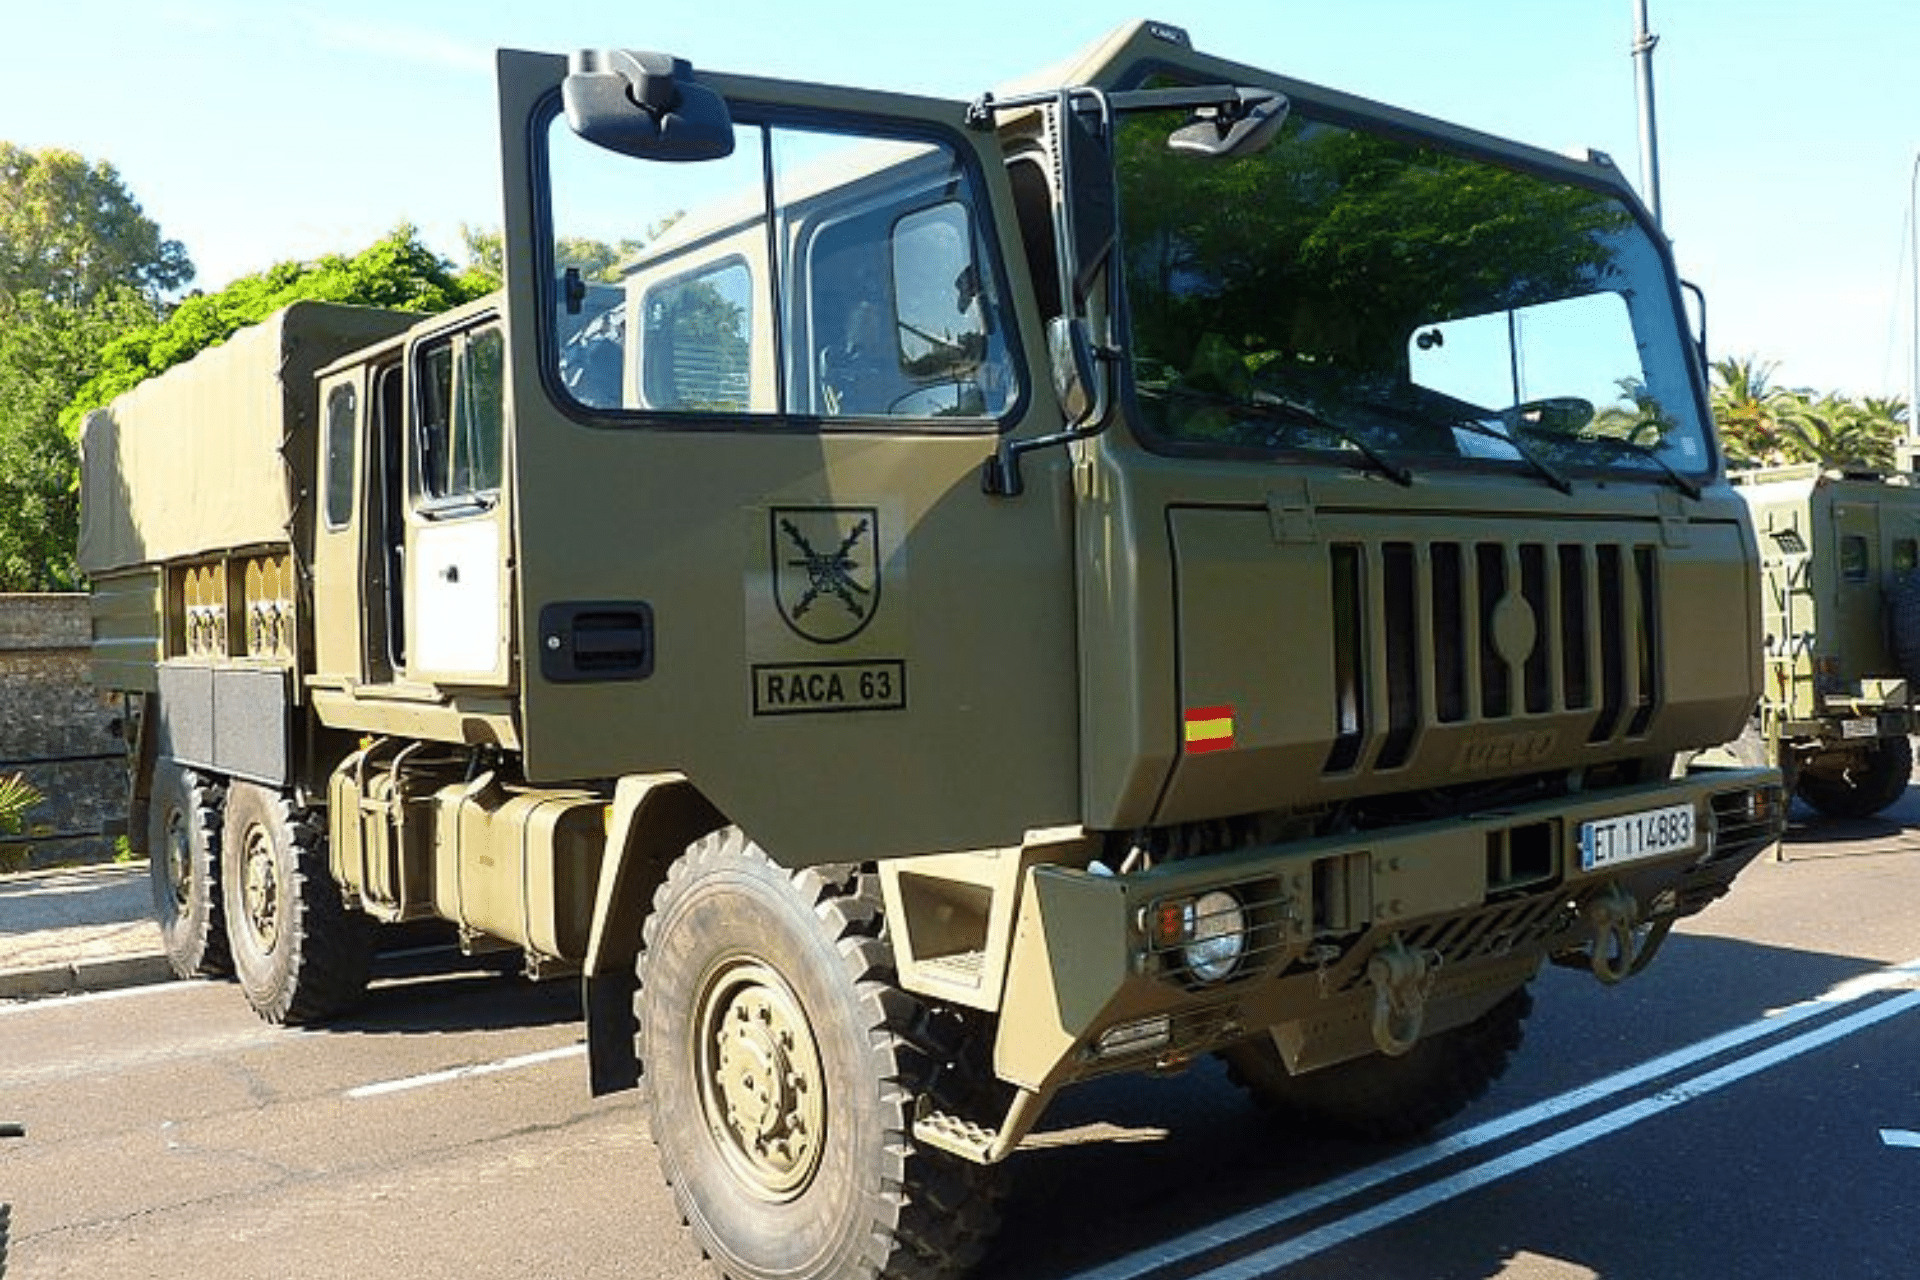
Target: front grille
1445	632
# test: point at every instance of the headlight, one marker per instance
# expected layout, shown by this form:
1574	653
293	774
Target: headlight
1217	927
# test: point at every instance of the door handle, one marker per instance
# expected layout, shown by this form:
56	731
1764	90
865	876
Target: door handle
596	640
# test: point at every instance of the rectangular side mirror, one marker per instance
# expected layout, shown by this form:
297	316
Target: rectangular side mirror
646	105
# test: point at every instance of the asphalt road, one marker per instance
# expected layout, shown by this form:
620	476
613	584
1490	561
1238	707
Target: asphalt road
1748	1107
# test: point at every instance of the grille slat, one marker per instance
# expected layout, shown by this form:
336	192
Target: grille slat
1424	632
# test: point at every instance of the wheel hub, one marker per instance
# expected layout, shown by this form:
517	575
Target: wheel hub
179	858
261	888
762	1086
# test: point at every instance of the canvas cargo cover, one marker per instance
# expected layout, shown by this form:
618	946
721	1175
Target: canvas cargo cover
192	461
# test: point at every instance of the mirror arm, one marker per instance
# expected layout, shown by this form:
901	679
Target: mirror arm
1000	478
1700	335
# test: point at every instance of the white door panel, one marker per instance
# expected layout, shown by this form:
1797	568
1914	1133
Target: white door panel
456	598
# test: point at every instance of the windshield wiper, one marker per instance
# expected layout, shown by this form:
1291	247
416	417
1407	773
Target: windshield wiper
1540	465
1620	446
1287	411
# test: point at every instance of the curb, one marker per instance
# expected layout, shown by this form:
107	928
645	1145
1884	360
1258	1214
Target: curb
81	976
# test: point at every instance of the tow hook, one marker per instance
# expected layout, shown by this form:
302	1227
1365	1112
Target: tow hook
1623	944
1402	977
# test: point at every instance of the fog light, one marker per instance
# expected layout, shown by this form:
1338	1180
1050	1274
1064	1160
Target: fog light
1217	926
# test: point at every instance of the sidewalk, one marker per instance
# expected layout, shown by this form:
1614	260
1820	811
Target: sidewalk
85	928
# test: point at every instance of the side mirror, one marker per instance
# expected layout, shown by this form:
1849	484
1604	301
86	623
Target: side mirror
1243	126
1070	352
646	105
1076	381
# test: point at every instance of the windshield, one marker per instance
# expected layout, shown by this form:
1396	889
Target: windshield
1347	291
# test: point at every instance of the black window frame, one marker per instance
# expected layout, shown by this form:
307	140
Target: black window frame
785	419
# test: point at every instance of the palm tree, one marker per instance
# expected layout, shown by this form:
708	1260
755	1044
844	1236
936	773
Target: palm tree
17	796
1764	425
1752	414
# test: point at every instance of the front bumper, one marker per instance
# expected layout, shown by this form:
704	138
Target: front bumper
1476	904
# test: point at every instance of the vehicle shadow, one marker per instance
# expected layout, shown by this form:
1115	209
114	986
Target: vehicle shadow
1144	1179
1811	834
425	991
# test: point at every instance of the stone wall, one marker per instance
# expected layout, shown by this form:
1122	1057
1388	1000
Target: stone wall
57	731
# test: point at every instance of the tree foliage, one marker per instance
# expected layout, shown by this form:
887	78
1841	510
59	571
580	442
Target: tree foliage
1764	425
71	232
80	263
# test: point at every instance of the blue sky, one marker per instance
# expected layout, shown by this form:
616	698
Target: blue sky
256	131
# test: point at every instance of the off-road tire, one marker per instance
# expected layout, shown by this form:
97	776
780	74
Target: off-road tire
1382	1099
1870	781
183	857
300	954
751	975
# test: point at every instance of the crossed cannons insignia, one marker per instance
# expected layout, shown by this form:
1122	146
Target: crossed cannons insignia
826	569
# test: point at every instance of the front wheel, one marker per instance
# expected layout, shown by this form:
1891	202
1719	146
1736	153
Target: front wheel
1868	782
301	955
1382	1099
781	1064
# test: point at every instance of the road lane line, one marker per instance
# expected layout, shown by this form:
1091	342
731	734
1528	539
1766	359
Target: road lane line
1323	1195
384	1087
1388	1212
37	1004
1900	1138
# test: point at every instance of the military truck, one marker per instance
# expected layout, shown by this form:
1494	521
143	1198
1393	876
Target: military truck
1841	615
1156	561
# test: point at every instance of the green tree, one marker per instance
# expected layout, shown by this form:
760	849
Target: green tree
70	232
80	264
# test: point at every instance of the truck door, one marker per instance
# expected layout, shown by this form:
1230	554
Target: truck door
751	420
454	561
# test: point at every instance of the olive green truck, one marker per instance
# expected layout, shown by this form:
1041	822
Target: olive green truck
1840	577
919	604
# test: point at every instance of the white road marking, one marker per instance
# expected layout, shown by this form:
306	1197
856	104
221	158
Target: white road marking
1900	1137
1266	1217
42	1004
1266	1261
462	1073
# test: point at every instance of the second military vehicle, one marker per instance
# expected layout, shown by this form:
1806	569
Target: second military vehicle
1157	561
1841	615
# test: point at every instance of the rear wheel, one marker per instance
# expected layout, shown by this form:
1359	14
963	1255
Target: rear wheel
781	1065
1382	1099
301	955
1867	782
183	855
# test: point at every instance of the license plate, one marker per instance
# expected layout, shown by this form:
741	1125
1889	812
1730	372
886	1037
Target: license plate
1865	727
1650	833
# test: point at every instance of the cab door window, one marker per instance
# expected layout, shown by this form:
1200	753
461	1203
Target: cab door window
839	274
458	423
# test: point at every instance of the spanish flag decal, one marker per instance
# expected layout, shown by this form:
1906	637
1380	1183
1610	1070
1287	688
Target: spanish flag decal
1209	729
